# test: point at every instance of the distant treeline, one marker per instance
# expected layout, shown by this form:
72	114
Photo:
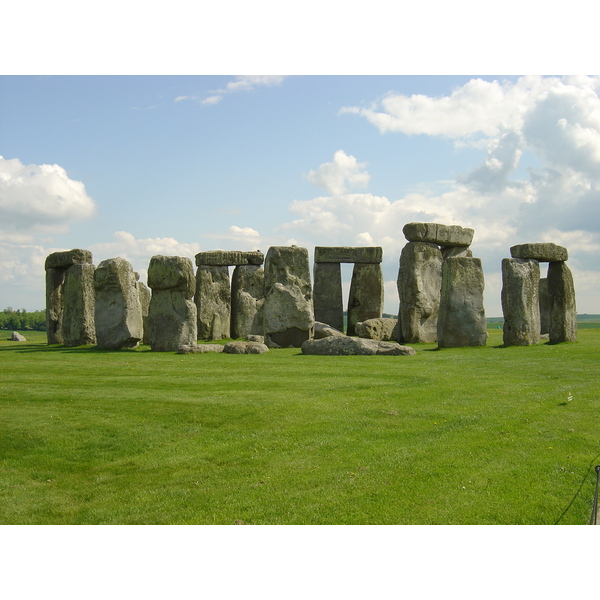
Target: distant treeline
21	320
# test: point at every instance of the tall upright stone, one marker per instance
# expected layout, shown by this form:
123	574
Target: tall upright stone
289	316
56	266
247	300
145	296
77	327
213	302
365	300
118	311
328	301
520	301
461	320
545	306
172	316
563	312
419	290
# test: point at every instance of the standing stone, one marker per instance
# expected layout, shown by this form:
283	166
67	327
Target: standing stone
78	326
213	302
544	307
118	311
289	317
520	301
563	312
247	300
144	296
365	300
461	320
419	289
328	301
172	313
56	266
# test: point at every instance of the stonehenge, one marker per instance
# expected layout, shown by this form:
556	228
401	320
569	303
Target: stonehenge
271	302
535	306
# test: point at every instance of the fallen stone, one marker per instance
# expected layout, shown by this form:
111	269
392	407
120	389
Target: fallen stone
461	320
253	337
118	310
17	337
229	258
200	348
435	233
365	300
520	301
384	329
541	252
241	347
419	289
348	254
344	346
322	330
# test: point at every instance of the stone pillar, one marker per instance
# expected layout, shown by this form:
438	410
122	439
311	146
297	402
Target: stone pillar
118	311
172	315
289	316
419	289
365	300
213	302
544	306
56	267
247	300
78	328
144	295
520	301
563	312
461	320
328	301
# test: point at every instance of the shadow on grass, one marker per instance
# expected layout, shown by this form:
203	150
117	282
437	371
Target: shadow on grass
37	348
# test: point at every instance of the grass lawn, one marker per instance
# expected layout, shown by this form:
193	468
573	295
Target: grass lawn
455	436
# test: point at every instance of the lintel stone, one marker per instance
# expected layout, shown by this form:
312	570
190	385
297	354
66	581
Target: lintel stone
434	233
348	254
226	258
67	258
542	252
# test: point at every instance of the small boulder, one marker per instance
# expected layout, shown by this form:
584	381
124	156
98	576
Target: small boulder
384	329
17	337
322	330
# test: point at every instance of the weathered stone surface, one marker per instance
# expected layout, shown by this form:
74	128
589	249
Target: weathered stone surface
172	318
288	308
449	251
545	307
55	280
200	348
241	347
118	311
348	254
322	330
540	252
419	290
63	260
327	294
17	337
365	300
247	301
229	258
172	273
435	233
461	320
213	302
144	295
78	327
384	329
345	345
563	312
253	337
520	301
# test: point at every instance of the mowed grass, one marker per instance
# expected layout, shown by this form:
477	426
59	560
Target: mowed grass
456	436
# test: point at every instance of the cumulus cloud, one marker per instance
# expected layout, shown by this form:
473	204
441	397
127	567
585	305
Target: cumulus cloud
337	176
38	199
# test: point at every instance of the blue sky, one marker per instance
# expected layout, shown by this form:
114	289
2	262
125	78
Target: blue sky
134	166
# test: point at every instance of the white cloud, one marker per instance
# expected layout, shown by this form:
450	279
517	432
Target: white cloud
37	199
340	174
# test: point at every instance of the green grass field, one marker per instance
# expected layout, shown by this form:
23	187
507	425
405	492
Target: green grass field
456	436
